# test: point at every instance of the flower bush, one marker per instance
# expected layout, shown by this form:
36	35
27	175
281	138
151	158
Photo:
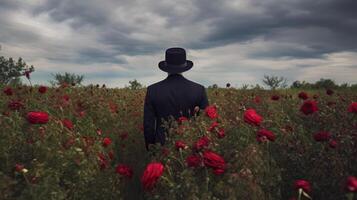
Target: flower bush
87	143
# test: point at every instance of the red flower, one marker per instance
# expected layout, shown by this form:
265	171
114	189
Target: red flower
353	107
124	170
351	184
106	142
303	184
19	167
309	107
257	100
182	119
67	123
103	161
251	117
42	89
275	97
15	105
213	160
264	134
124	135
193	161
221	133
322	136
151	175
180	144
333	144
37	117
202	142
329	92
303	95
213	125
8	91
211	111
218	171
111	154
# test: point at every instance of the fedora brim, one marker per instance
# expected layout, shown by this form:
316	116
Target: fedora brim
175	69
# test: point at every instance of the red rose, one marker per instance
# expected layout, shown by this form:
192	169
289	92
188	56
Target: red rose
19	167
103	161
37	117
106	142
264	134
303	95
353	107
322	136
213	125
257	99
213	160
309	107
303	184
211	111
124	170
42	89
193	161
351	184
67	123
202	142
333	144
251	117
180	144
218	171
221	133
329	92
8	91
151	175
275	97
182	119
15	105
111	154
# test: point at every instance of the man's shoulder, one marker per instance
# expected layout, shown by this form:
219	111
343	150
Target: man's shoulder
162	82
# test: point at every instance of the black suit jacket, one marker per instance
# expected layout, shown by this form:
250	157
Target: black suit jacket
176	96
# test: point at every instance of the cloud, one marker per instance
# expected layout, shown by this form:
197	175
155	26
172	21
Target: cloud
116	41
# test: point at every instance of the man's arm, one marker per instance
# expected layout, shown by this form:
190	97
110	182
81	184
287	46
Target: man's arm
149	120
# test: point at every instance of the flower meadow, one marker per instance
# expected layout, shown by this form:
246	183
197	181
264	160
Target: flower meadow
87	143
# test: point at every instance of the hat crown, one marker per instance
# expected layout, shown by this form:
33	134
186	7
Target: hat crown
175	56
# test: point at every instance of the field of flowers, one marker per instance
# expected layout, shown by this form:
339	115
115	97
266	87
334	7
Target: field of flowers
87	143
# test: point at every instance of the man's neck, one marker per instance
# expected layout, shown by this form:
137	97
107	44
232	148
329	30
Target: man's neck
176	74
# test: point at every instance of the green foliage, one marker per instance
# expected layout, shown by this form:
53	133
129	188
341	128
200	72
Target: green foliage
134	85
214	86
11	71
68	78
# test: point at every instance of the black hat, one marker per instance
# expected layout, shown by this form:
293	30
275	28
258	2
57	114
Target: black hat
175	61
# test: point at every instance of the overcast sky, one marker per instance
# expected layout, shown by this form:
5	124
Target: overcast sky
237	41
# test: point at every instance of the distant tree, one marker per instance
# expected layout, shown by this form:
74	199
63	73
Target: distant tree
325	83
214	86
244	86
11	71
134	85
275	82
66	78
344	85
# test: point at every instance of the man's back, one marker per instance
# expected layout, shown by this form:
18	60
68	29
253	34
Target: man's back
176	96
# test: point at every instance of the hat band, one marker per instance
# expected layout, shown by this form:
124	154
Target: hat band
180	65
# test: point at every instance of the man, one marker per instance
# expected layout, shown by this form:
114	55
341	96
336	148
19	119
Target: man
174	96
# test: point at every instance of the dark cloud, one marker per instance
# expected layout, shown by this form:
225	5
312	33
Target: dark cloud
108	32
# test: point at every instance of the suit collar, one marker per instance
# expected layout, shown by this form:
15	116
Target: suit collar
172	76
